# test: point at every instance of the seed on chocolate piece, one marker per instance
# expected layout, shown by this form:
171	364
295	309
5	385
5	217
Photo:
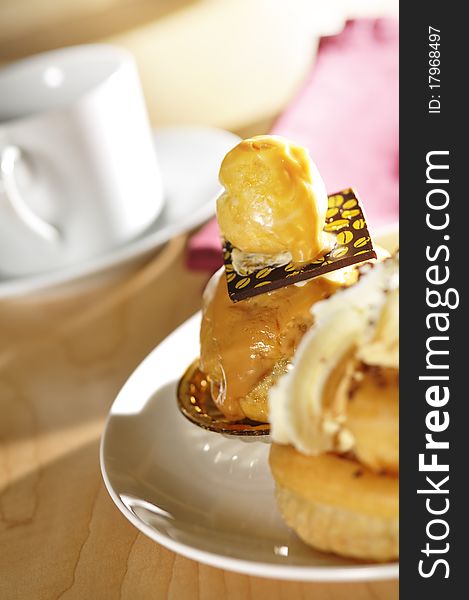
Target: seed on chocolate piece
336	200
349	214
263	273
318	260
350	203
344	237
336	225
339	252
361	242
242	283
359	224
331	212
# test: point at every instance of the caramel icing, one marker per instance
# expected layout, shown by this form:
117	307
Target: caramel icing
242	343
275	201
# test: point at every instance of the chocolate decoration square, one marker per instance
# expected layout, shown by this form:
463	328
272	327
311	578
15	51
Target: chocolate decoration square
344	219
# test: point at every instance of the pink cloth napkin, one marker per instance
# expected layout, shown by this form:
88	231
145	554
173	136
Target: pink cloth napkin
347	115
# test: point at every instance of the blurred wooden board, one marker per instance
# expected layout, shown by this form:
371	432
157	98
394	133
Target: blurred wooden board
31	26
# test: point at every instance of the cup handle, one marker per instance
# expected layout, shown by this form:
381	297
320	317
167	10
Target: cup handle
9	156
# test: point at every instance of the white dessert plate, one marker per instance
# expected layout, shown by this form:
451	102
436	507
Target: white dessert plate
189	159
201	494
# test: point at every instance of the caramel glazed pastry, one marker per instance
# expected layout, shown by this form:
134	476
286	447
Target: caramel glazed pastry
334	422
273	212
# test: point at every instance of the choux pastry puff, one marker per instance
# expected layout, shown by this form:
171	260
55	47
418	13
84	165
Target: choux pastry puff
334	422
273	212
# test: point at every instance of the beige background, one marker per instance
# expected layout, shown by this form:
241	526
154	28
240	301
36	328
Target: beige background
226	63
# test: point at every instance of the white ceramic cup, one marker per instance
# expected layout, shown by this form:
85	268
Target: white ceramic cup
78	170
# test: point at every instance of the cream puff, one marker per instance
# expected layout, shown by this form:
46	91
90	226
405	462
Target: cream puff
334	422
273	212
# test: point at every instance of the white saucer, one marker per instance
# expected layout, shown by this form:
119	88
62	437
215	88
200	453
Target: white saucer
190	159
203	495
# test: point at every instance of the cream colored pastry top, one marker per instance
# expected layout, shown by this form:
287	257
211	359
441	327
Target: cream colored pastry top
360	322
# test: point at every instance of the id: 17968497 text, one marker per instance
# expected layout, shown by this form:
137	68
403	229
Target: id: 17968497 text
434	71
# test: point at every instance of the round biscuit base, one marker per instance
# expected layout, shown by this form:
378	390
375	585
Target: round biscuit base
342	532
336	504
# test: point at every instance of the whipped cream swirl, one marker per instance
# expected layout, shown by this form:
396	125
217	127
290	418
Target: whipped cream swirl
359	323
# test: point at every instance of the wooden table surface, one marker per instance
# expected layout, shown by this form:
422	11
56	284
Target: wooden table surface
62	361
